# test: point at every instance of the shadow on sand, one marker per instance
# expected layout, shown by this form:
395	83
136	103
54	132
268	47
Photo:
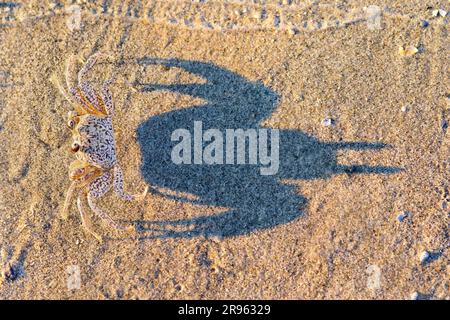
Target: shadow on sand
253	201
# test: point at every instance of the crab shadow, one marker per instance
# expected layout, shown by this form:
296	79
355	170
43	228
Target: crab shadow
252	201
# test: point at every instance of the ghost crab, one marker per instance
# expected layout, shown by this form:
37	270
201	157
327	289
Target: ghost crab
93	145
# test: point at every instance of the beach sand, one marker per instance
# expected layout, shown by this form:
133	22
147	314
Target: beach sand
325	226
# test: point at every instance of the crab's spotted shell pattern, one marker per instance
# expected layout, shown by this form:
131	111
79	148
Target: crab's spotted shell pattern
96	140
101	185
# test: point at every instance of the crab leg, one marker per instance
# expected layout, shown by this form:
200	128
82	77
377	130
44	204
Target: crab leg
74	97
85	220
106	95
71	66
63	91
86	100
97	189
90	95
84	103
119	186
91	61
69	196
80	173
103	215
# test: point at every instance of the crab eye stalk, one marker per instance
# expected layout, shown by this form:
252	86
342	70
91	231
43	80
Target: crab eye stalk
74	147
71	124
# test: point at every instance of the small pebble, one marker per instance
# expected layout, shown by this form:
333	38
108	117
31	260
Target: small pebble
257	15
424	24
402	216
293	31
424	256
327	122
435	12
405	109
415	295
179	287
407	51
119	293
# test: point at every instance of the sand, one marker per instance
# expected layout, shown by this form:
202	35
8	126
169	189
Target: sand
324	227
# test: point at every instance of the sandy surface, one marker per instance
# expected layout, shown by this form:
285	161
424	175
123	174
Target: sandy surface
319	229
